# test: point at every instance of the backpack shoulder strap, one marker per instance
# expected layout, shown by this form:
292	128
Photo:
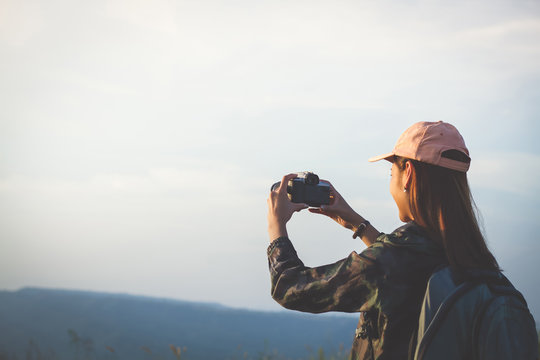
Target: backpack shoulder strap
440	315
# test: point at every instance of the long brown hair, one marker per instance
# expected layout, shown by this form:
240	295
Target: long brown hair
441	201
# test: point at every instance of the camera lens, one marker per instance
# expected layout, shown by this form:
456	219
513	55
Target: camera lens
311	179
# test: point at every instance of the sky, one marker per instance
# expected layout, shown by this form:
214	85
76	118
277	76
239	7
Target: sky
139	139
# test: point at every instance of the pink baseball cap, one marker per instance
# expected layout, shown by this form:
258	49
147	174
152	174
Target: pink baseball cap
429	142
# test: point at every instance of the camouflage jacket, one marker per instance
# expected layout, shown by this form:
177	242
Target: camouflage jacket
385	282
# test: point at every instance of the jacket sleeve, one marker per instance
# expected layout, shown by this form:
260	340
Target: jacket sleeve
349	285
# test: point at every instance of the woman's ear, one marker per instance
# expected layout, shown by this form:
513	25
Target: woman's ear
408	175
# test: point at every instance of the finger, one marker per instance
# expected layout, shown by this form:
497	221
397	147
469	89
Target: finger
315	210
299	206
285	182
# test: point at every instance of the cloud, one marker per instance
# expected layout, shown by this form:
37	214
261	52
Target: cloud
158	127
512	172
510	46
20	21
156	15
191	179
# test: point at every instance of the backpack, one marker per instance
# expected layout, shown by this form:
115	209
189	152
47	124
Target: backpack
476	315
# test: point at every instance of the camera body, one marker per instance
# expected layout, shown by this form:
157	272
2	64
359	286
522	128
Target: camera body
307	189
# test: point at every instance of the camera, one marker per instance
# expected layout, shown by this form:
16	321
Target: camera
307	189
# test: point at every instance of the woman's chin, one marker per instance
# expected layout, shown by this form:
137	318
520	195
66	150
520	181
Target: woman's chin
404	218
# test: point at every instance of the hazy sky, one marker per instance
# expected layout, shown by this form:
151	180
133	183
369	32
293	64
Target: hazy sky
139	139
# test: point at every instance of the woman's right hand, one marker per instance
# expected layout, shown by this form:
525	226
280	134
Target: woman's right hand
339	210
281	208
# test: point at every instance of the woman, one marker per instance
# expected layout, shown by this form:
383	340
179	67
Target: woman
386	282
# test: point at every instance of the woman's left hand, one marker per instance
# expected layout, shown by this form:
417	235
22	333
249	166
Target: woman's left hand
280	209
339	210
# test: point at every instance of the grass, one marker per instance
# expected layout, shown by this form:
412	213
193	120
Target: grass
84	348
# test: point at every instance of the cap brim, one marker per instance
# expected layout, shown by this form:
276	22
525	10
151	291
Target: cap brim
381	157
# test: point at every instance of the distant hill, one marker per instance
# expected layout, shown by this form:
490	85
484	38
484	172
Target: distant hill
61	324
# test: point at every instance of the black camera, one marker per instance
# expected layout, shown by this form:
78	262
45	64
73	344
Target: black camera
307	189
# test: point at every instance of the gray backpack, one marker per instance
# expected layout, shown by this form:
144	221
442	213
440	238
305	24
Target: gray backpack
478	315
